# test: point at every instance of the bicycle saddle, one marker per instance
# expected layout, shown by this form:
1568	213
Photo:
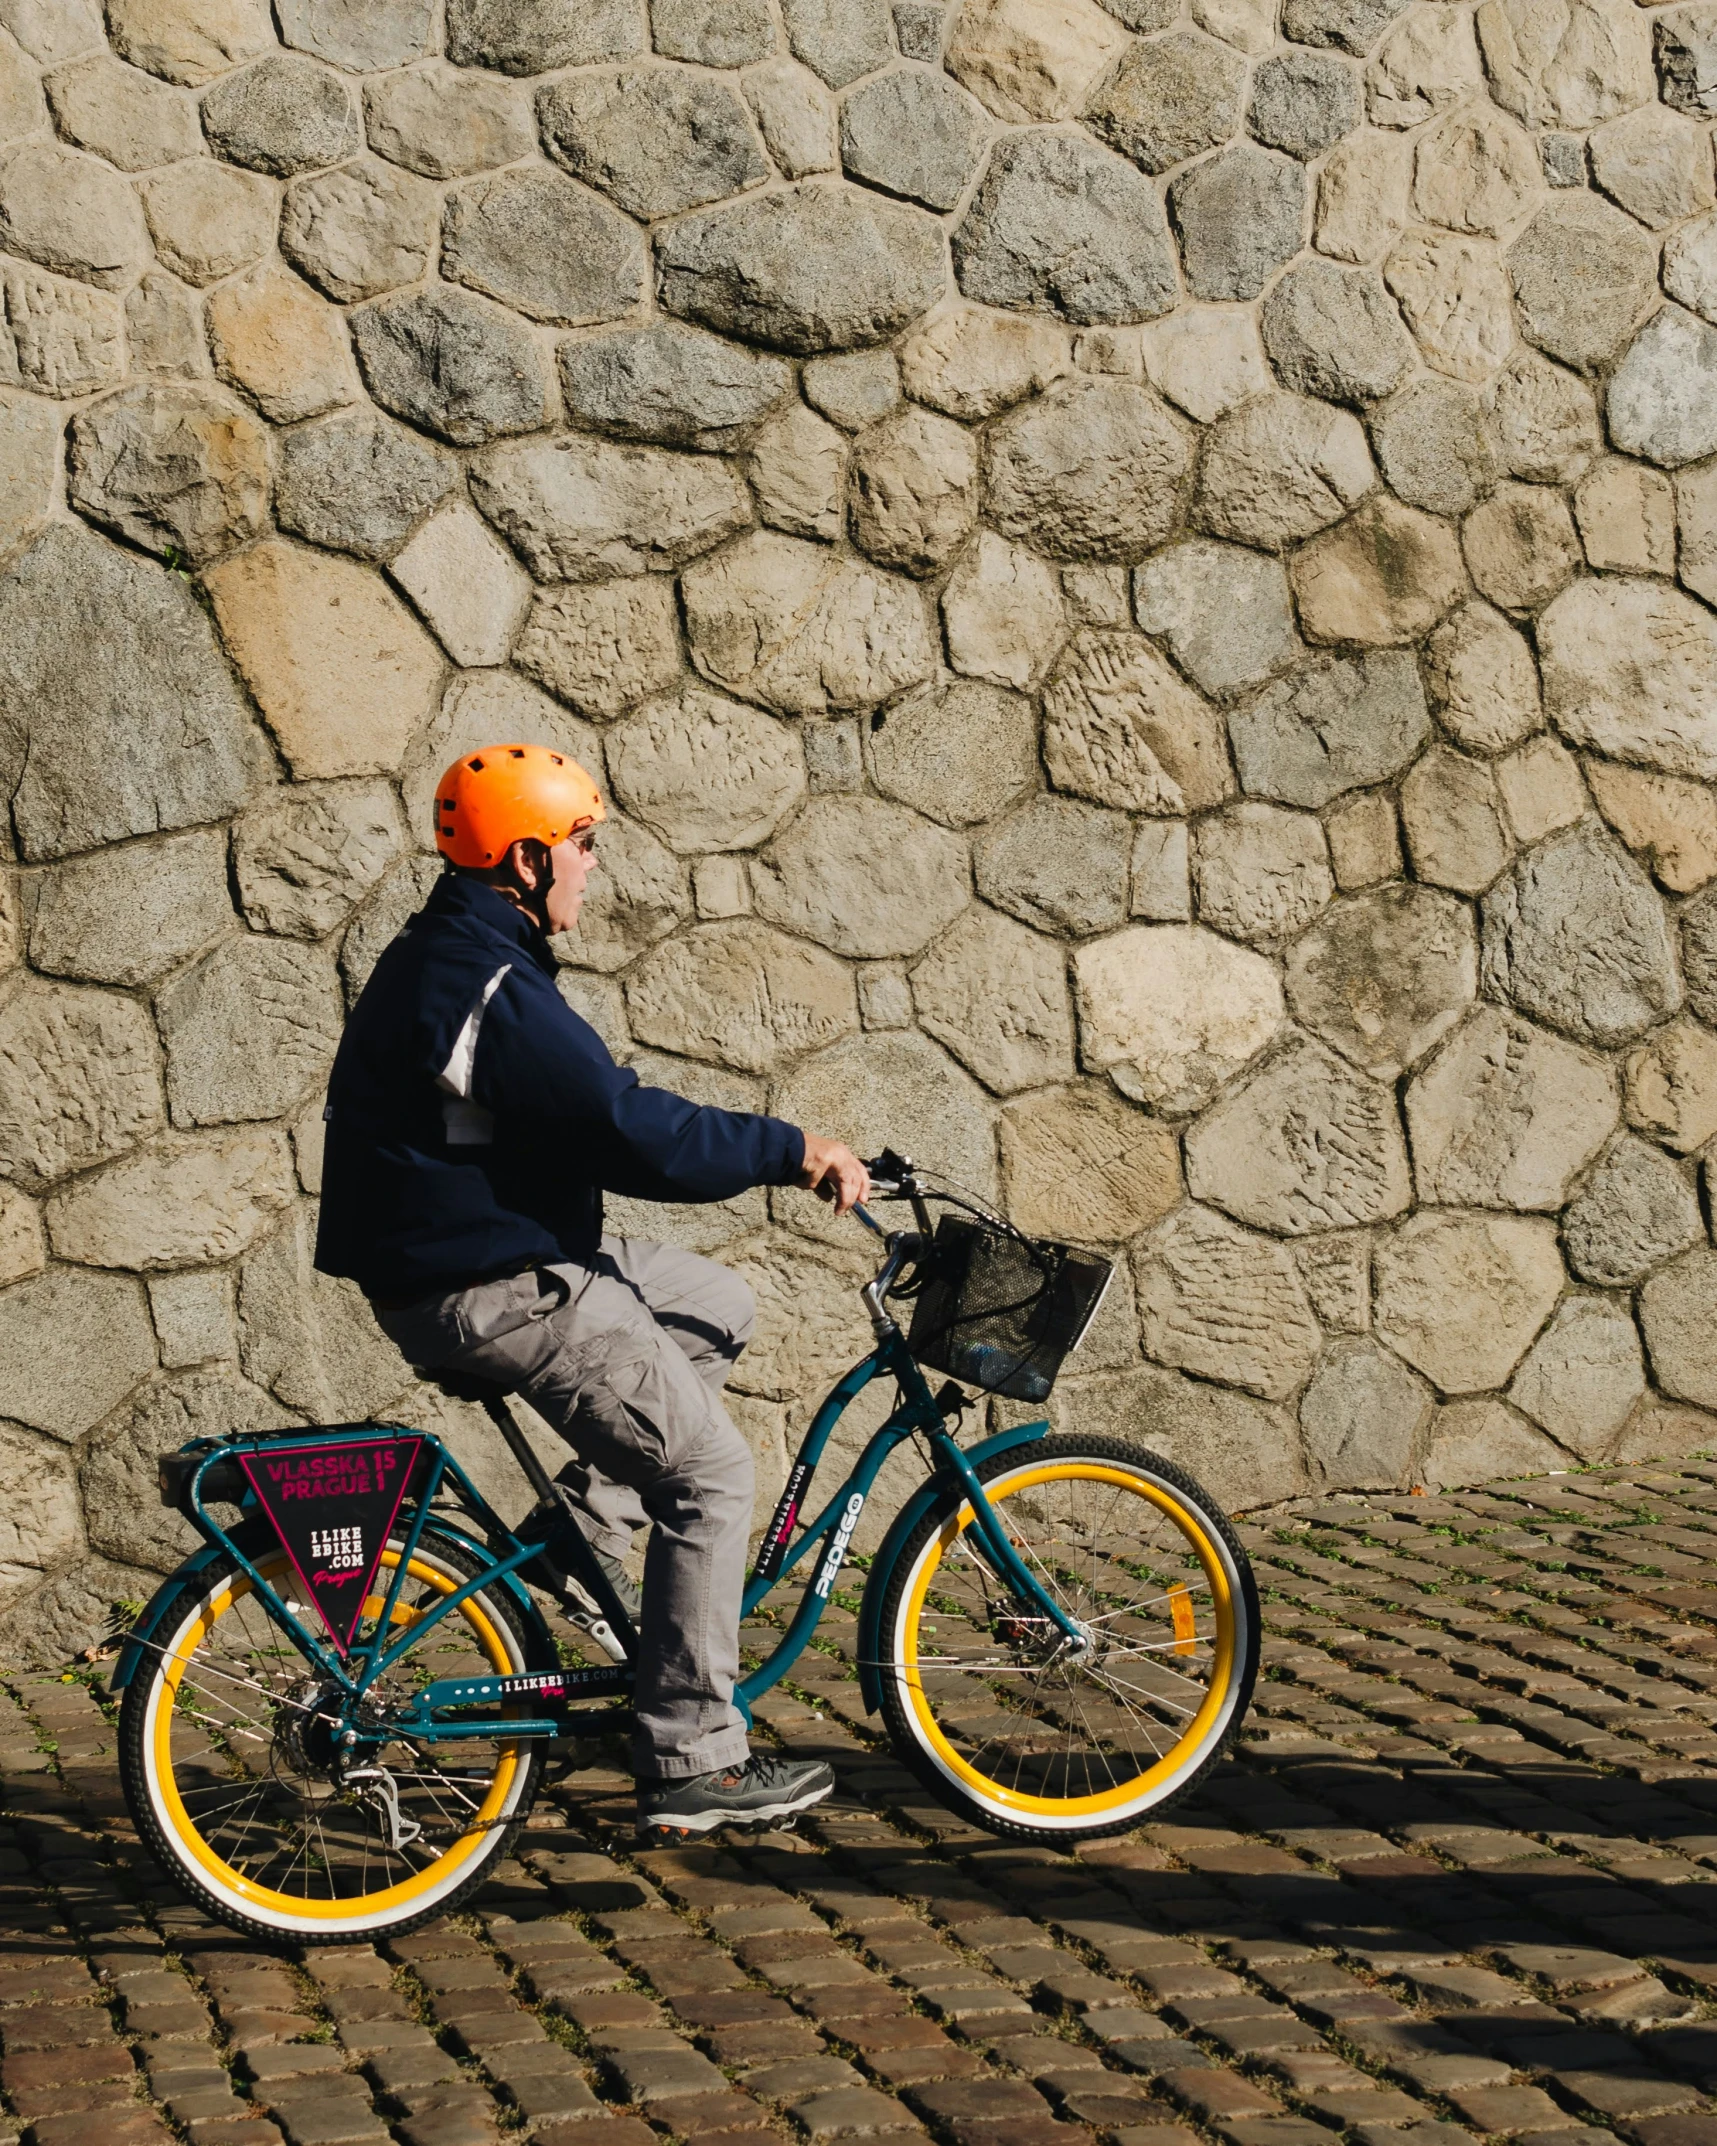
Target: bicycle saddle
463	1385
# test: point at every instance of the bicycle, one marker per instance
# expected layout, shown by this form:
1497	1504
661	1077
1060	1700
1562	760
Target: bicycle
1060	1634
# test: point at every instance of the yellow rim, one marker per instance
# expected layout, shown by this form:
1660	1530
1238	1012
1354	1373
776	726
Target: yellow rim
1193	1738
288	1905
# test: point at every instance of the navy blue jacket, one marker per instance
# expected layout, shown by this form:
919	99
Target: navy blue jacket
474	1121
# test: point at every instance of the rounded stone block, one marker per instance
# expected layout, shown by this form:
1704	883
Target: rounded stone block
1306	1144
1121	729
1675	1314
996	995
283	115
181	1203
579	508
1576	937
971	364
118	713
1636	1210
71	214
1223	613
1454	296
1058	864
358	483
1363	1418
671	386
1003	613
1280	469
1382	578
249	1030
891	1090
1434	447
1582	1378
1171	1012
446	121
1483	682
602	647
1333	332
960	752
79	1082
1303	102
1452	819
1026	62
317	640
65	1391
152	905
1340	724
359	231
1079	1163
118	112
189	41
1463	1296
1168	99
740	994
1059	225
1660	398
208	220
531	37
911	133
1091	470
1261	873
802	630
304	860
1225	1304
1507	1116
1386	974
456	365
1239	216
706	773
914	491
813	267
1672	1086
543	246
285	347
182	467
867	878
1583	273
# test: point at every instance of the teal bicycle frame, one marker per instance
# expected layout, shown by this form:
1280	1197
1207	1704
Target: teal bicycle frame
503	1558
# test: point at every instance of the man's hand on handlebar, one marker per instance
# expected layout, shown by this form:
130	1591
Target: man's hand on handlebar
834	1172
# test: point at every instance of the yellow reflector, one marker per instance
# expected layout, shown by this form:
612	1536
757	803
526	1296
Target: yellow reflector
1185	1624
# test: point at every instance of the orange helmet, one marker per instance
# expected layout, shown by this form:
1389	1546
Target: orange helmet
504	794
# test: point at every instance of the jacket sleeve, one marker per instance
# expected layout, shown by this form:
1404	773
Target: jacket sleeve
536	1059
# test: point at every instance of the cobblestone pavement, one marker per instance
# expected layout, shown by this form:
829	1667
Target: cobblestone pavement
1454	1883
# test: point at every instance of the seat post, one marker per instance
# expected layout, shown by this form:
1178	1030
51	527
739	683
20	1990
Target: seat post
501	1416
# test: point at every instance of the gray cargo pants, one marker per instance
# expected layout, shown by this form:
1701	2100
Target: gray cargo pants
626	1358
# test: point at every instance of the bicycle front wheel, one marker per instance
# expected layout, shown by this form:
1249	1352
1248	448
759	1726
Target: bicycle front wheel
998	1715
228	1753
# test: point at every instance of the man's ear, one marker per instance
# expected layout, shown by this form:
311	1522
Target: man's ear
528	863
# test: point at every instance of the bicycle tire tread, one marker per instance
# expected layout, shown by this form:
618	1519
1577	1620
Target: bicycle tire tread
1072	1446
133	1773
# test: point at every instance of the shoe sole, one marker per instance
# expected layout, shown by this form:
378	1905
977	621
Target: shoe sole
769	1815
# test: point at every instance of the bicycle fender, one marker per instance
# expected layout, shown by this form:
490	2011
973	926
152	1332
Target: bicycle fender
154	1610
923	1500
136	1644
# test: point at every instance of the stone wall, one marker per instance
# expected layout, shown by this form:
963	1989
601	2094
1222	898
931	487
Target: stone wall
1138	578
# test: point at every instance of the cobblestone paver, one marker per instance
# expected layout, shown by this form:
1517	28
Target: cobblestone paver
1455	1883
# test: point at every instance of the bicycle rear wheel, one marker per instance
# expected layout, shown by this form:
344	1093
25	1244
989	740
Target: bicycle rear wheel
227	1754
1006	1723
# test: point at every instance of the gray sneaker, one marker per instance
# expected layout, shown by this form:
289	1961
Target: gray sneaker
762	1792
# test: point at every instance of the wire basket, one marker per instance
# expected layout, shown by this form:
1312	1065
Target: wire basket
1003	1312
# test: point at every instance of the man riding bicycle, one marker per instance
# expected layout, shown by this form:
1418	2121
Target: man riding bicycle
474	1122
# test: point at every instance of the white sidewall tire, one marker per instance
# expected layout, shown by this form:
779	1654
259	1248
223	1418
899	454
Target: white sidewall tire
1216	1731
243	1910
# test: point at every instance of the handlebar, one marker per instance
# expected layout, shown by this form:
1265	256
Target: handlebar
894	1177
